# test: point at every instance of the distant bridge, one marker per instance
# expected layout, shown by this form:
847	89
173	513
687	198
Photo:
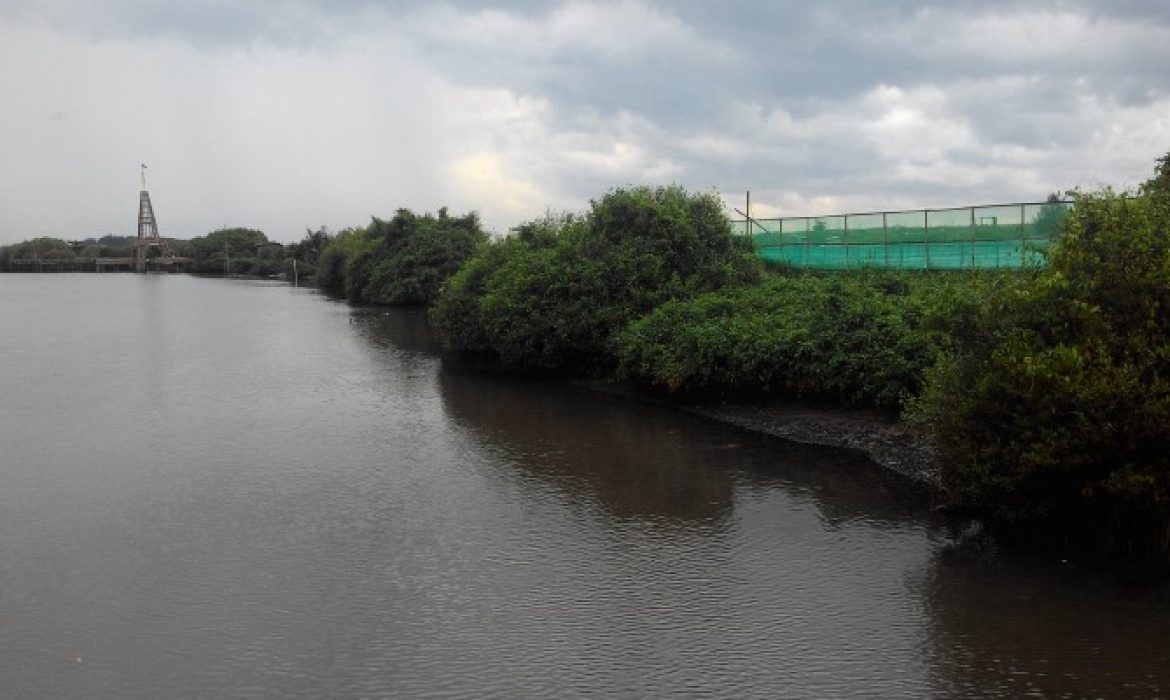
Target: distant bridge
993	236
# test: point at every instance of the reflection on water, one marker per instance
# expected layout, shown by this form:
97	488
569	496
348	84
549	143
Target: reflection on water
211	488
648	463
744	551
1002	626
635	465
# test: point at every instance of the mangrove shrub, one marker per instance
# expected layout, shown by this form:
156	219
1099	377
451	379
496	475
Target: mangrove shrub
1057	406
863	338
553	295
401	262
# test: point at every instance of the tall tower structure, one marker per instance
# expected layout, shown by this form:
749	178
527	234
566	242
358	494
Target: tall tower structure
147	228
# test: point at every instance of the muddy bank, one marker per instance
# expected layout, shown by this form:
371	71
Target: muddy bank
890	443
887	441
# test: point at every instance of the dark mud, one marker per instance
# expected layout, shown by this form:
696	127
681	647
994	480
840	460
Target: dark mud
887	441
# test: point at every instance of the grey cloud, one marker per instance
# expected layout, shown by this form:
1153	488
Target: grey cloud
866	102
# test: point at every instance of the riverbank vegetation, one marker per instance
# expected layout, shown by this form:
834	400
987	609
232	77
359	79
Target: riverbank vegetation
1047	390
554	296
402	261
863	339
1053	414
651	286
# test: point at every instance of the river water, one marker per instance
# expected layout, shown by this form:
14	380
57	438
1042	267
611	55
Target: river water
222	488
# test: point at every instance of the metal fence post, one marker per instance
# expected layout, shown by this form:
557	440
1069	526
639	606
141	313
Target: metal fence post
1023	235
885	239
926	234
806	261
845	219
974	239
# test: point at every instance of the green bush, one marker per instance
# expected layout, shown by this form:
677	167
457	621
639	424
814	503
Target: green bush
1159	184
859	338
226	250
333	260
416	254
400	262
309	249
553	296
1057	408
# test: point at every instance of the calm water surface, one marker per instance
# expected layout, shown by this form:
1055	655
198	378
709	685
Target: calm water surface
214	488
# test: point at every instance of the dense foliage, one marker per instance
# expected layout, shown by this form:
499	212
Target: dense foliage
863	338
1159	184
36	249
1057	406
553	296
307	251
403	261
55	249
235	251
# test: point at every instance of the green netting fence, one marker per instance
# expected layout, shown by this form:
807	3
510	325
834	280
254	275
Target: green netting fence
1000	235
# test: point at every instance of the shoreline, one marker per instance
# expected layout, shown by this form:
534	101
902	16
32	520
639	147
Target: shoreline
886	441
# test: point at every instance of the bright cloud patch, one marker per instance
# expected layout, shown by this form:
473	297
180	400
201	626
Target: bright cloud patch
482	179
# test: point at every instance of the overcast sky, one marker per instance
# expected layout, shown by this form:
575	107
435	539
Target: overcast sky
284	115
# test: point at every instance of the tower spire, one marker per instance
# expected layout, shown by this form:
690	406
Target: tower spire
147	228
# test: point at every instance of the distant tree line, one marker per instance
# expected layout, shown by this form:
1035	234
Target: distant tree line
48	248
231	251
402	260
